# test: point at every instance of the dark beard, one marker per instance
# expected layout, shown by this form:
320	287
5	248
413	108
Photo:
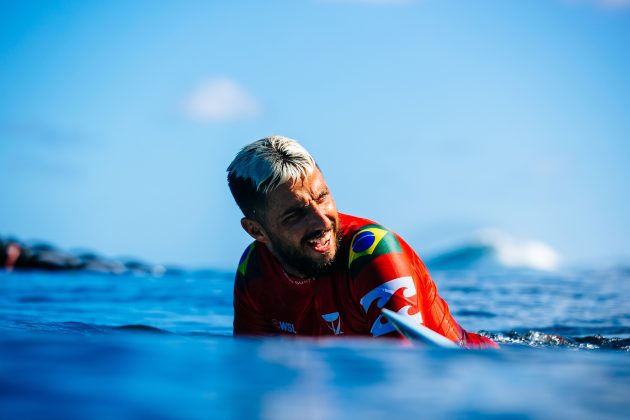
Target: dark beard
302	263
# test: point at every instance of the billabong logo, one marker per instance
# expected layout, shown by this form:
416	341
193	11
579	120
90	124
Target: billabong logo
284	326
383	294
334	322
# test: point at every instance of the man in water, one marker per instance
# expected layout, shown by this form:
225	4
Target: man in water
313	271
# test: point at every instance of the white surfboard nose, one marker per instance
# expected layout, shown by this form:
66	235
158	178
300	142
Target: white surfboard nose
417	332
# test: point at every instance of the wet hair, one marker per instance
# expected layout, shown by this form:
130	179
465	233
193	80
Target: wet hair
264	165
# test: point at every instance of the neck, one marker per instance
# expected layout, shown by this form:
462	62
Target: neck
299	281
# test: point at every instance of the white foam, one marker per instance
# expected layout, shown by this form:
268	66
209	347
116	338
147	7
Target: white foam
513	252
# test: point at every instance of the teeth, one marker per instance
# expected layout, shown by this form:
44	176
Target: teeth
320	242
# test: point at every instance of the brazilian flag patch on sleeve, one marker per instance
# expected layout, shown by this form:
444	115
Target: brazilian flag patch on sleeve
242	264
368	243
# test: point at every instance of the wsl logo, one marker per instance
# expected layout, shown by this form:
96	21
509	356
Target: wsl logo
334	322
382	294
287	327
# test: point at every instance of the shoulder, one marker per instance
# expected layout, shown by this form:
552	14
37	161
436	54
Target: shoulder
367	240
248	265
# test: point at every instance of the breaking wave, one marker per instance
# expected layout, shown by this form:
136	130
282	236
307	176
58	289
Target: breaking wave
496	249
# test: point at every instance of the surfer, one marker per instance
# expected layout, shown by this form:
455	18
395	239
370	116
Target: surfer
9	254
314	271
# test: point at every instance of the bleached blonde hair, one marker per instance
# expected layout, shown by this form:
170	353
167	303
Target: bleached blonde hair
262	166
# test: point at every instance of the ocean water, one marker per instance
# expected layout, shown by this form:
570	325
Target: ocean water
97	346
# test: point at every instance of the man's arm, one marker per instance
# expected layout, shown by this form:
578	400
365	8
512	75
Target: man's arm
388	274
248	318
439	317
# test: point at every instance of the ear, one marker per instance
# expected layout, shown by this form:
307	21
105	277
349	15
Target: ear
254	229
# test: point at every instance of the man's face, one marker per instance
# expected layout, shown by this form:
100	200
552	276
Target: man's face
301	226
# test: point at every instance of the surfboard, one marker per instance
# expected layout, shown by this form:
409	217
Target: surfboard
417	332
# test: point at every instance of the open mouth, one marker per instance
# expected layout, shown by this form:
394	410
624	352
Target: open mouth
322	243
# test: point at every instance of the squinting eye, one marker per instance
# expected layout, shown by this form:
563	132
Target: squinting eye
293	216
323	197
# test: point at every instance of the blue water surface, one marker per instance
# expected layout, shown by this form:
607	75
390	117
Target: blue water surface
77	346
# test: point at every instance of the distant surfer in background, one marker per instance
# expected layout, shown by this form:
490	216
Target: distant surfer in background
314	271
9	254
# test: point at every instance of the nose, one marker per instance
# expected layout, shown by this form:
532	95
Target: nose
318	219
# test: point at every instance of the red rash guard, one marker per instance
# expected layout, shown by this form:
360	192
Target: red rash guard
374	268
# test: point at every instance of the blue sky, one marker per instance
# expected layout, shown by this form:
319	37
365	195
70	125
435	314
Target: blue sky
435	118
